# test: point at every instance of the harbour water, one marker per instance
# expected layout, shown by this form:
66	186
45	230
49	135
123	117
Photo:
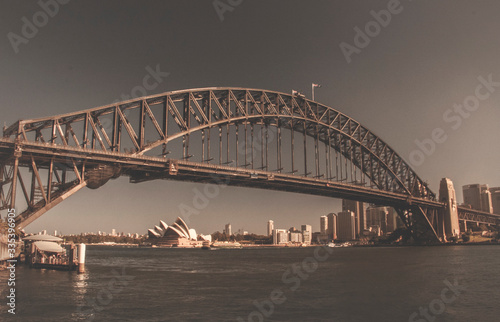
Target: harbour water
283	284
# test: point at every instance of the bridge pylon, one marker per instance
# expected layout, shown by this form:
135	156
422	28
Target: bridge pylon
449	216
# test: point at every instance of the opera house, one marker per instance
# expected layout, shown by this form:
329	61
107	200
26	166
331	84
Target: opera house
176	235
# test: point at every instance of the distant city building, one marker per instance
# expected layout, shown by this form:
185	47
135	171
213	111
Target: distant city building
293	229
359	213
386	218
307	237
375	230
227	230
323	225
280	236
306	234
486	202
270	227
242	232
296	237
113	232
473	196
346	225
495	199
332	226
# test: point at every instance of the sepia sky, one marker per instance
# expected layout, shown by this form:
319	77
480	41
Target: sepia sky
403	84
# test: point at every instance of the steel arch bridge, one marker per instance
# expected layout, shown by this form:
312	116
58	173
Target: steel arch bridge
246	137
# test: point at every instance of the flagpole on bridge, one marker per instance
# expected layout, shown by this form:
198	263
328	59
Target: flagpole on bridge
312	87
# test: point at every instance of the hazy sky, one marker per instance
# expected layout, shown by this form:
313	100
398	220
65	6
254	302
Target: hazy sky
400	85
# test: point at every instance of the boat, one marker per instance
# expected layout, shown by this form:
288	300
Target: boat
206	245
45	251
226	244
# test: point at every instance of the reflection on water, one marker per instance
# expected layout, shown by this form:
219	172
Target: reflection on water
353	284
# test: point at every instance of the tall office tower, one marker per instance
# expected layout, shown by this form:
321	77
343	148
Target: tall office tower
472	195
448	196
113	232
359	213
270	227
495	199
346	225
323	224
227	229
306	233
377	217
332	226
486	204
392	219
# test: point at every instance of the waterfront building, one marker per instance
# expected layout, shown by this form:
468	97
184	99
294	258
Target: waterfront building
332	226
177	235
359	214
227	230
495	199
306	234
384	217
346	225
270	227
376	230
296	237
280	236
323	225
307	237
473	195
113	232
321	238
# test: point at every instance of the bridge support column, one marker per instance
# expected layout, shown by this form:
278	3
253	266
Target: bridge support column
447	195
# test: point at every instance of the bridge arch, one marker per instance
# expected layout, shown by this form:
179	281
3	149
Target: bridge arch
139	127
199	110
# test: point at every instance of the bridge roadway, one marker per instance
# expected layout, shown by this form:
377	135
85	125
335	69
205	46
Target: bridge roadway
142	168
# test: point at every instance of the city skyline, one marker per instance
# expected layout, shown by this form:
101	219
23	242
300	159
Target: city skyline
402	86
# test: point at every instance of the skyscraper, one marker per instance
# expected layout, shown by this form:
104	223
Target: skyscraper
323	224
473	196
359	213
332	226
377	217
270	227
227	229
495	199
486	202
346	222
